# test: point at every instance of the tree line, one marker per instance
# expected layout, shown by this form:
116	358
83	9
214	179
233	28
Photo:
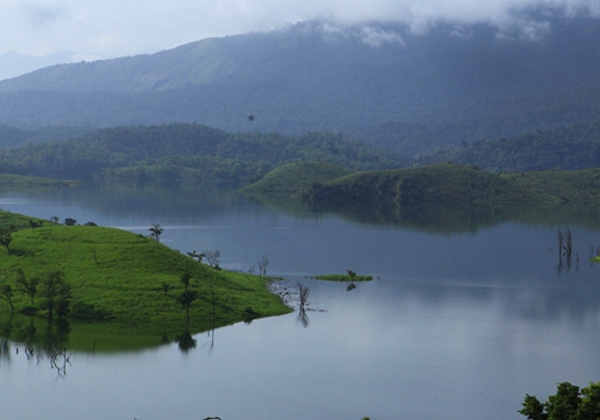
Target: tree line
186	154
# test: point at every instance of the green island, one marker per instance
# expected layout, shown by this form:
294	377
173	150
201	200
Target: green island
125	290
350	277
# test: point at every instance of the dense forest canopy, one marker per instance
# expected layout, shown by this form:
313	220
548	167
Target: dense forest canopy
188	154
197	155
571	147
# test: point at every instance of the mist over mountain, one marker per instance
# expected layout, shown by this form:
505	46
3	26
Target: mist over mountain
13	64
384	83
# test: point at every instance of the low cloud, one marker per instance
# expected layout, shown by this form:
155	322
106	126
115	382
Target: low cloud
112	28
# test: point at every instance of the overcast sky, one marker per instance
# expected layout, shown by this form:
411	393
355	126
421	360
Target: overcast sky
111	28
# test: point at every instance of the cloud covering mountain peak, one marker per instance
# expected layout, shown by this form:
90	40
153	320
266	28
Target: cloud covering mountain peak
111	28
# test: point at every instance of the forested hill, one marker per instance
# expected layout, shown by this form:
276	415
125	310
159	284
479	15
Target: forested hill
571	147
188	154
315	76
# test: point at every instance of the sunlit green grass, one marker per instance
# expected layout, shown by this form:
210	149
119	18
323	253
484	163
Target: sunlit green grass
122	274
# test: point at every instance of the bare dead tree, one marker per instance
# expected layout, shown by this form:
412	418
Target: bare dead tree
213	258
263	263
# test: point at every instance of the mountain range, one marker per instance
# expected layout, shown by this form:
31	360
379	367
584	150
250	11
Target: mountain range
383	83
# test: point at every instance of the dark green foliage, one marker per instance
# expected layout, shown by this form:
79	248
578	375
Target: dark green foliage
186	154
6	237
87	312
564	148
56	293
445	184
165	287
7	294
185	280
28	287
186	298
196	256
569	403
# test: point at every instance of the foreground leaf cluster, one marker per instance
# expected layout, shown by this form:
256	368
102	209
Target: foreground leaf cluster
569	403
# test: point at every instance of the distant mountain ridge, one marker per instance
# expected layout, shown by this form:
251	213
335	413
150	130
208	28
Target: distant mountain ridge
13	64
312	76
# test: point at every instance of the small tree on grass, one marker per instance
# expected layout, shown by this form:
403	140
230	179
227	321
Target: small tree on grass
165	287
27	287
6	294
6	236
155	231
196	256
213	258
263	263
188	296
57	294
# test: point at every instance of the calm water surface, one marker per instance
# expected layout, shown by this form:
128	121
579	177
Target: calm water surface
455	326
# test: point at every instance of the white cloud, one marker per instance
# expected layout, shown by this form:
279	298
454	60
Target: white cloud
110	28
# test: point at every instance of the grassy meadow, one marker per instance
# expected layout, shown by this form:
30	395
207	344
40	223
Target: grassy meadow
124	286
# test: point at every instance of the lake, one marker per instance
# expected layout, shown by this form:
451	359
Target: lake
456	324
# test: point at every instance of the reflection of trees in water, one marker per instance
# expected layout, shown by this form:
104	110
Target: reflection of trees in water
459	218
303	294
35	345
186	341
7	328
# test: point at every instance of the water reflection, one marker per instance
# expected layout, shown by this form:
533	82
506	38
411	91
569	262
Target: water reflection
476	316
49	343
440	218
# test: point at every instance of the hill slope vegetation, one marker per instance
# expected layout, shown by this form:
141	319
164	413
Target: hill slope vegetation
478	78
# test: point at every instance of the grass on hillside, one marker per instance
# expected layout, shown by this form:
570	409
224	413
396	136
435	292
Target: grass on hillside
121	275
291	178
437	183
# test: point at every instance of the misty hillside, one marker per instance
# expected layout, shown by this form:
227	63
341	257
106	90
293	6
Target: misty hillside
449	84
185	154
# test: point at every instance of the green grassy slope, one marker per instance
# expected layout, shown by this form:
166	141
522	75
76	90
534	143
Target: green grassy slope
121	274
440	183
291	178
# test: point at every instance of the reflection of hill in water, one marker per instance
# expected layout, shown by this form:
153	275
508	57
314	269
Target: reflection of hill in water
449	219
177	203
174	202
456	219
